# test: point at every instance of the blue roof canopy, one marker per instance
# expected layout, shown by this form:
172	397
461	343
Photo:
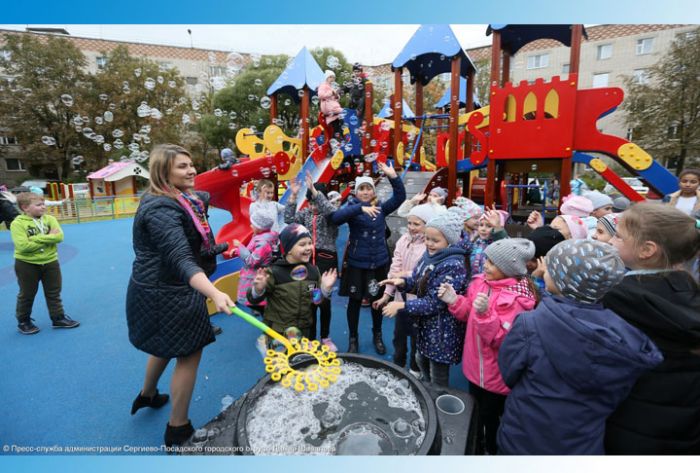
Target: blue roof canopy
303	70
429	52
387	112
514	37
445	99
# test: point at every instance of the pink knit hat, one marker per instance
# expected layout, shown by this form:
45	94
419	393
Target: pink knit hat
577	227
576	205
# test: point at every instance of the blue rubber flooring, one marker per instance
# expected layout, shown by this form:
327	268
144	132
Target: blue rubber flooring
75	387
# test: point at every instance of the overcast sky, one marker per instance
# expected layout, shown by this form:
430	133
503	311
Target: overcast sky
367	44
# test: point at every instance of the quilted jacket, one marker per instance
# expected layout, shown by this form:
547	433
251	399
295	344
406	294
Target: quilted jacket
166	317
367	248
324	232
260	252
440	335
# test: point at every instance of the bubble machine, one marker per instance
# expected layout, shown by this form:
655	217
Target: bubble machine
377	408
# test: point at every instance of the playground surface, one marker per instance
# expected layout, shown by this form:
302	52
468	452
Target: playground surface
74	388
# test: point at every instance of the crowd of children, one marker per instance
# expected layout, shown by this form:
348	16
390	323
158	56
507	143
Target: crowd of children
582	338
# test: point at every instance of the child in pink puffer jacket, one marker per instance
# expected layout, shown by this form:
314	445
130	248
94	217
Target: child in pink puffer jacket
259	253
493	301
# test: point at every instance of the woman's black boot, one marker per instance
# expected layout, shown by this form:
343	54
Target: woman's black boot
156	402
178	435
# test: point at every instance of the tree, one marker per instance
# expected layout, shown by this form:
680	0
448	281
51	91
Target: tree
663	106
135	104
38	102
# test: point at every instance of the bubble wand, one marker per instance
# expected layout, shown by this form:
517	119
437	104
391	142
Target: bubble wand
326	368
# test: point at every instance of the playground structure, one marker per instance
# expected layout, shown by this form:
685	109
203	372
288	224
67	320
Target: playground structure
545	126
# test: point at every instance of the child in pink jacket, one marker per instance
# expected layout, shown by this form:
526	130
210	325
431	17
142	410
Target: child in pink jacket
261	250
493	300
409	250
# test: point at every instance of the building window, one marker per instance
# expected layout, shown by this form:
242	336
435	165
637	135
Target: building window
601	80
604	51
101	62
191	80
8	140
644	46
217	71
630	132
165	66
12	164
641	76
565	68
538	61
6	54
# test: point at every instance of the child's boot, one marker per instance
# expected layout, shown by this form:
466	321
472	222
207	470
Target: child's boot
379	343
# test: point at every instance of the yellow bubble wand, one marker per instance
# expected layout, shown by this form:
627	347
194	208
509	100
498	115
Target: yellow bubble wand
324	372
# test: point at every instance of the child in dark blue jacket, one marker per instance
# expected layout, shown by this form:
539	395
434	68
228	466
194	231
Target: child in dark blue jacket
367	255
440	335
570	362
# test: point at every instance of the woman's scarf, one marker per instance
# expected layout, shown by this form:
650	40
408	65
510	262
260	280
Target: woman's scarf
195	208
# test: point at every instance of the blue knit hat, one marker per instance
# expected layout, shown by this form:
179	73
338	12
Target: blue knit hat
291	234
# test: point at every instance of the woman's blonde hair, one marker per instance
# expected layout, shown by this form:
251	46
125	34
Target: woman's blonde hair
159	166
674	232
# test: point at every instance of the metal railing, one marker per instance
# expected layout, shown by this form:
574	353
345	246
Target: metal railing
98	208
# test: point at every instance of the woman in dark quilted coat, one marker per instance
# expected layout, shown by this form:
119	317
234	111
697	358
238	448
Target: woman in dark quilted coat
165	303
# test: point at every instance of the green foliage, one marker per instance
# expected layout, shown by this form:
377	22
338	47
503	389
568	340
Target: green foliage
40	71
59	112
664	112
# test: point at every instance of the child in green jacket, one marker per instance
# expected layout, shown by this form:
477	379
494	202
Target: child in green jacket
36	237
292	285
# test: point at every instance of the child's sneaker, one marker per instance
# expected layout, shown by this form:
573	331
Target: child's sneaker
261	345
65	322
27	327
329	343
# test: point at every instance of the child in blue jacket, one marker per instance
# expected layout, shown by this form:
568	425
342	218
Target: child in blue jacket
440	335
367	255
570	362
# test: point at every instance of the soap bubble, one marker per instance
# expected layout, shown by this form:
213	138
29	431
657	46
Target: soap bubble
67	100
353	120
185	119
258	83
265	102
156	114
117	133
118	144
107	147
48	140
150	84
287	102
137	73
160	79
144	110
108	116
333	62
218	112
78	160
234	62
103	97
78	120
314	100
98	120
172	84
87	132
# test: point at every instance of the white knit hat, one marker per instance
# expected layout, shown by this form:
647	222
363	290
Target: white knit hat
424	212
329	73
598	199
364	180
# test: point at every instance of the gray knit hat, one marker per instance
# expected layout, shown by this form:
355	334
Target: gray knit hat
511	255
584	270
449	224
